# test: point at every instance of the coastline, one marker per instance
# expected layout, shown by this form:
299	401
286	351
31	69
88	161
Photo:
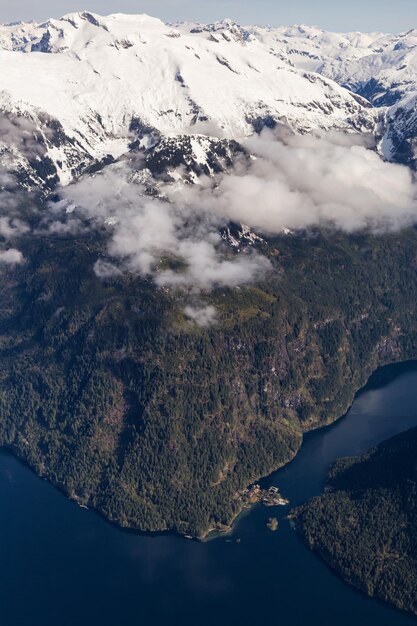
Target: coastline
226	530
263	480
332	566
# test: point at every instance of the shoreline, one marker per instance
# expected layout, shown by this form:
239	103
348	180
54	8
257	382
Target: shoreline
310	432
297	528
227	530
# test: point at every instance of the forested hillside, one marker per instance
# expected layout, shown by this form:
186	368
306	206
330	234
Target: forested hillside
110	391
366	525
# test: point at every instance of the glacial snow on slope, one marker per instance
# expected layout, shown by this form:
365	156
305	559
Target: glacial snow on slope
380	67
103	78
93	88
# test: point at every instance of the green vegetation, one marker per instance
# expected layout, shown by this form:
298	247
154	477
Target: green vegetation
112	394
366	526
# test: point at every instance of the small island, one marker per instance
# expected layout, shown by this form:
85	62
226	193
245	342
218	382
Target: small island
273	524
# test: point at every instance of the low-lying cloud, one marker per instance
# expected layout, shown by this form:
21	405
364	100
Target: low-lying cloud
12	256
12	226
19	133
177	246
286	182
202	315
307	181
105	269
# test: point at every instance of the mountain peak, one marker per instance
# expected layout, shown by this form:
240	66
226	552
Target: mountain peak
114	20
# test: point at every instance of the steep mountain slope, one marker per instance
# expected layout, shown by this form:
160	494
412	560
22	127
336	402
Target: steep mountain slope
399	142
112	390
103	80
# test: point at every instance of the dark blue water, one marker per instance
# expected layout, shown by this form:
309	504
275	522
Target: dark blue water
61	565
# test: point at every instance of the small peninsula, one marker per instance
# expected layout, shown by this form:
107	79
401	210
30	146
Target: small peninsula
365	524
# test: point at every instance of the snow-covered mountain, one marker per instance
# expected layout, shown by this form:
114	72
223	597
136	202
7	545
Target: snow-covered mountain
79	92
380	67
92	85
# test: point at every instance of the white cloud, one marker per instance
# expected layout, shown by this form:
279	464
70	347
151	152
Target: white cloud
309	181
11	257
12	227
291	182
105	269
150	234
203	315
19	133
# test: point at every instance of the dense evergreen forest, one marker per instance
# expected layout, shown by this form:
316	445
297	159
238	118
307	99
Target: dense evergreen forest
366	525
110	392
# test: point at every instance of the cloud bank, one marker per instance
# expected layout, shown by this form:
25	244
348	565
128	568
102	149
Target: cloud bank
202	315
20	133
309	181
287	182
176	245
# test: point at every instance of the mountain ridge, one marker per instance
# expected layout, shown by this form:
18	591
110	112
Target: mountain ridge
94	75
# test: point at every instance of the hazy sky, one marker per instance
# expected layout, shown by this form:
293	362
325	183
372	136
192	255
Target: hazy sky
365	15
